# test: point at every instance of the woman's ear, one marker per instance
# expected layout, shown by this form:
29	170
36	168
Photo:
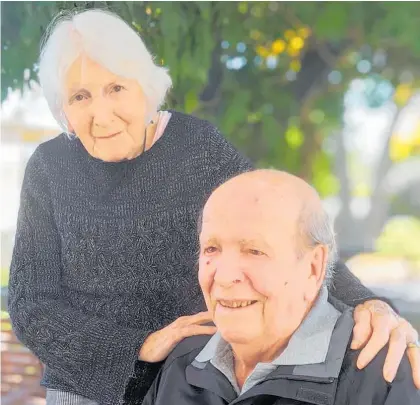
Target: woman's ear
69	127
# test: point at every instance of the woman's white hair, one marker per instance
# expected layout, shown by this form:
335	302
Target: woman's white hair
108	40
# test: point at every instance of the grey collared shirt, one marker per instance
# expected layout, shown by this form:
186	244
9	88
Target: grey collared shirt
308	345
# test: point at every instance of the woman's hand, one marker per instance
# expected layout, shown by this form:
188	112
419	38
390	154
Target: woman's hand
376	324
158	345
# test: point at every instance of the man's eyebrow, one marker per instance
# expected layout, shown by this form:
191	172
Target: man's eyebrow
209	240
255	242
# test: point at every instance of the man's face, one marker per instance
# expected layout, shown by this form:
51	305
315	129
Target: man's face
249	271
107	112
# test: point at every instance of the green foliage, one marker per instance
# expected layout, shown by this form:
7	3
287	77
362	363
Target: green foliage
252	105
400	237
4	277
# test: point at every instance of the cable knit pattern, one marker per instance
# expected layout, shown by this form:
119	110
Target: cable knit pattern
105	254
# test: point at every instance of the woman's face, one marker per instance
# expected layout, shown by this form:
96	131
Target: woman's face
106	112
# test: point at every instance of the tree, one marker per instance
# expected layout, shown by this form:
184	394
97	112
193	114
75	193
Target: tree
271	75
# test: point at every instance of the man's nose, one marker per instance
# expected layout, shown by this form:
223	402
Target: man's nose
228	271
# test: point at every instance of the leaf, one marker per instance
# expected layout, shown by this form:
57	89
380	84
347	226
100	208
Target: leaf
236	110
332	21
191	101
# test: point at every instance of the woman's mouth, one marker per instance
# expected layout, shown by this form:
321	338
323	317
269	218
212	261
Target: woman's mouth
109	135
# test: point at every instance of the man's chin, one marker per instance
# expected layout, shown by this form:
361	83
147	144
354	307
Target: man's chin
236	335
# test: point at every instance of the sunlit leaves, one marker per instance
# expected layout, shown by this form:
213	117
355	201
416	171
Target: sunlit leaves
323	179
294	137
401	237
332	20
403	147
274	37
291	44
278	46
402	94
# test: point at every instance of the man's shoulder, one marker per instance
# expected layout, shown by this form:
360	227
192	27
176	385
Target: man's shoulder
187	350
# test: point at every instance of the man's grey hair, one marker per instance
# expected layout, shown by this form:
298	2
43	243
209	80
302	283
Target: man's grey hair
315	228
108	40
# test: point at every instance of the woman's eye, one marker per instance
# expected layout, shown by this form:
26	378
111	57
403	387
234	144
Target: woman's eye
117	88
79	97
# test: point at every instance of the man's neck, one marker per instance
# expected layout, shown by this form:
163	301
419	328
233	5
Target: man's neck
246	357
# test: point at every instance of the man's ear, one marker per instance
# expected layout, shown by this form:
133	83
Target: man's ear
318	267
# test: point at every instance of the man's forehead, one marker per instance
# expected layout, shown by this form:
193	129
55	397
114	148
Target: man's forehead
238	222
279	207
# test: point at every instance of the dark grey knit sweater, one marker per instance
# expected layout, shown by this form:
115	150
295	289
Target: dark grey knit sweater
105	254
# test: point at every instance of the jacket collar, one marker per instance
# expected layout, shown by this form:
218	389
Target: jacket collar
313	383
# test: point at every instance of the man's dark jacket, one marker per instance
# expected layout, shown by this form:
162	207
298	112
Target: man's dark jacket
185	381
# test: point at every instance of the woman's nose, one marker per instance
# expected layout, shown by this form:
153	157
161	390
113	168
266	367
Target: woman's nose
102	113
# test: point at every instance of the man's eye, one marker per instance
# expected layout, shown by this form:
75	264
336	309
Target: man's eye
255	252
210	249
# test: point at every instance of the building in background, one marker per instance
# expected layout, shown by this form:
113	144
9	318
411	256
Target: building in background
26	121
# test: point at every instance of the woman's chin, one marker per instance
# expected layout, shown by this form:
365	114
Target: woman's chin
113	156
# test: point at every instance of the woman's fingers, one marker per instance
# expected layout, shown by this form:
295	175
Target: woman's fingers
413	355
201	317
195	330
397	346
379	338
362	330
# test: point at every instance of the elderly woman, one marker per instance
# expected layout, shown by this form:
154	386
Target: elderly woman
103	278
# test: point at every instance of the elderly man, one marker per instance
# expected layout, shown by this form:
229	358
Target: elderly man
265	263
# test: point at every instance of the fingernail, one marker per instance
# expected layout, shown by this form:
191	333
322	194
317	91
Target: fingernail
388	376
354	344
360	364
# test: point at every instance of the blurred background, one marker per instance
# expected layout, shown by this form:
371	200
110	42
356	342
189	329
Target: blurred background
329	91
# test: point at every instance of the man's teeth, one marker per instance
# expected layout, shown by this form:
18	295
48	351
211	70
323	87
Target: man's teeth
235	304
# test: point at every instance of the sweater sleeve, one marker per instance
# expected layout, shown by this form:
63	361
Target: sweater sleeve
96	357
347	288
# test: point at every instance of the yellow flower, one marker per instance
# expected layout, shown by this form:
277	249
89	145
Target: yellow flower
289	34
402	94
292	51
295	65
297	43
278	46
262	51
304	32
399	149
